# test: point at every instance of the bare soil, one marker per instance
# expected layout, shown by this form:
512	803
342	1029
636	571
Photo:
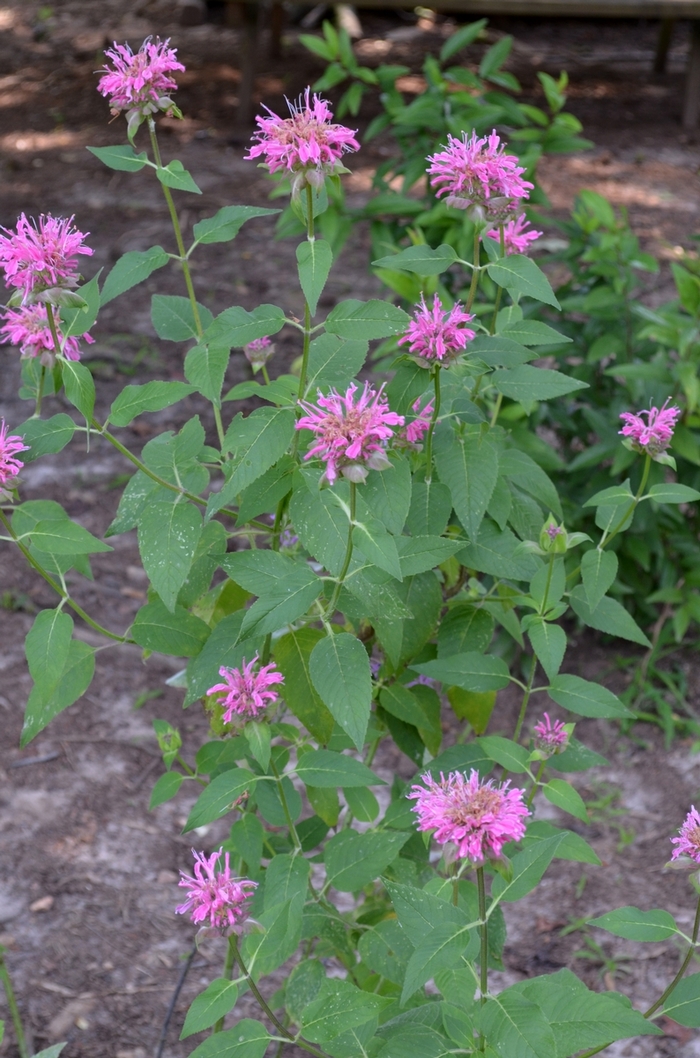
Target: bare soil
88	876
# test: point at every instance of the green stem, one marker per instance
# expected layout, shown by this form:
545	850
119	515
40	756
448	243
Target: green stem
303	371
475	273
536	783
265	374
227	974
526	699
14	1009
484	955
330	610
58	588
543	607
285	809
431	428
275	544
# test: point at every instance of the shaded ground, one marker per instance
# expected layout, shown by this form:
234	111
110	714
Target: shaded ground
88	877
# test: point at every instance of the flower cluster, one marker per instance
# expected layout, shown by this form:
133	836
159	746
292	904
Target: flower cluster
140	83
688	842
246	691
653	436
10	465
478	817
351	435
213	894
28	327
307	142
436	334
258	352
515	238
550	738
39	258
476	172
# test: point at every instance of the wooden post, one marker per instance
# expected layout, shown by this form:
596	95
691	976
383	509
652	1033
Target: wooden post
663	44
691	104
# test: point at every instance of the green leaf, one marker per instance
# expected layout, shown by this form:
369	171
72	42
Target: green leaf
362	803
303	985
366	319
323	768
291	599
516	1028
526	383
287	878
153	396
466	627
165	789
468	465
609	616
461	38
257	442
672	493
314	260
520	275
334	361
585	698
418	911
371	537
45	435
123	157
549	644
408	384
529	476
386	949
496	552
292	655
387	494
62	670
505	752
249	1039
683	1005
417	554
528	867
47	1052
261	571
176	632
266	491
47	646
205	367
420	259
235	327
213	1003
168	535
598	572
258	738
322	526
65	538
354	860
226	224
633	924
79	386
131	269
431	506
498	351
572	847
217	798
404	636
532	332
75	321
339	669
173	318
175	175
562	794
612	497
338	1007
443	948
471	671
401	703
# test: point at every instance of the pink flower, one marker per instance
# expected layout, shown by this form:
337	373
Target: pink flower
653	436
140	82
350	433
259	351
477	172
245	691
421	424
437	335
10	465
213	894
551	737
41	257
478	817
688	844
515	238
28	328
306	140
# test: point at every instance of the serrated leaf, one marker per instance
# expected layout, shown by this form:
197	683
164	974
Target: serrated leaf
213	1003
314	260
217	798
444	948
526	383
205	367
339	1006
49	697
520	275
178	632
328	770
292	598
339	669
417	554
173	318
609	616
354	860
562	794
528	867
123	157
598	572
471	671
45	436
132	269
152	396
235	327
683	1005
249	1039
226	224
370	536
532	332
549	644
431	506
468	465
257	442
516	1028
334	361
175	175
165	789
168	535
633	924
672	493
365	320
65	538
79	386
387	494
505	752
585	698
420	259
292	656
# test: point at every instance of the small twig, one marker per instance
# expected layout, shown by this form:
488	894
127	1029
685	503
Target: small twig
171	1007
34	760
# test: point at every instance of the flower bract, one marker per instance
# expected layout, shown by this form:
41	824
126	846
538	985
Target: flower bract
28	328
478	817
437	334
688	842
245	691
516	239
306	140
351	434
10	465
654	435
213	896
478	172
42	255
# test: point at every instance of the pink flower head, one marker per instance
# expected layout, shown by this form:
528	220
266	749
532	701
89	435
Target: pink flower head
307	140
140	83
28	328
351	434
653	436
213	894
551	737
41	256
478	817
515	238
438	335
477	172
10	465
259	351
421	424
688	843
245	691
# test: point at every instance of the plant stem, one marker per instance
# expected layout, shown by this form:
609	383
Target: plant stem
431	428
484	956
330	610
301	392
227	974
58	588
536	783
543	607
14	1009
475	272
526	699
635	501
285	809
